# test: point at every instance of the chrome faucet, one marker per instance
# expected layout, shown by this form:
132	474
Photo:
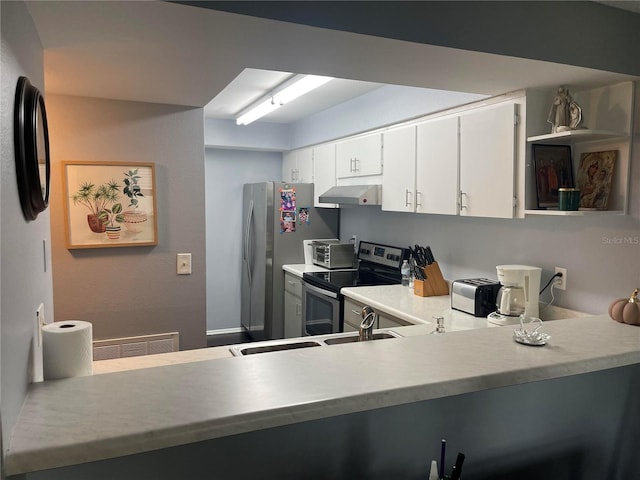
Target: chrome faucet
439	324
369	319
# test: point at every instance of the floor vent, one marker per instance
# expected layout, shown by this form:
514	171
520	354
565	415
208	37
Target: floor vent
136	346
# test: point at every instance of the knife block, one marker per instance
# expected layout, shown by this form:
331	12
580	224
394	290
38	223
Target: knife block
434	285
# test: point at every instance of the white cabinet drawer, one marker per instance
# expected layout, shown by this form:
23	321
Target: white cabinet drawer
293	284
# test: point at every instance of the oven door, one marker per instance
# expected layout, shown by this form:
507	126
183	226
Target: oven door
321	311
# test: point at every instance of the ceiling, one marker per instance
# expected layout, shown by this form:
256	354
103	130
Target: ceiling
253	84
168	53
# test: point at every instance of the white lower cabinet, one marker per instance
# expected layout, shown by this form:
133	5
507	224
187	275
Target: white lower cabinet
353	317
487	162
292	306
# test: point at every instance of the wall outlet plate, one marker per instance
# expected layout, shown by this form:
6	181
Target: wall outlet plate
184	264
561	282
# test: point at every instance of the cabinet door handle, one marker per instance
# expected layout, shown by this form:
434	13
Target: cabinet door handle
292	282
462	205
356	312
418	198
355	164
298	309
407	193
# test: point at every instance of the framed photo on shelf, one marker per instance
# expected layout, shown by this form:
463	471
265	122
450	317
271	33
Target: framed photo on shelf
109	204
595	173
553	170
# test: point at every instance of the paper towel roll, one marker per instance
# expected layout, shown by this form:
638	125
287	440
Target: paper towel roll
67	349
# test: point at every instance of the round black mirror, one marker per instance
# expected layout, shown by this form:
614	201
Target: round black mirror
31	138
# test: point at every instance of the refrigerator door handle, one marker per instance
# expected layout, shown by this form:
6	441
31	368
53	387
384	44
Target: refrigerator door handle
247	241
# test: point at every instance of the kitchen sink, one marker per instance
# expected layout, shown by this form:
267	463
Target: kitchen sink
355	338
278	346
240	351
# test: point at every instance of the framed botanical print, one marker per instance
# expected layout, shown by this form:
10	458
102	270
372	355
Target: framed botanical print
109	204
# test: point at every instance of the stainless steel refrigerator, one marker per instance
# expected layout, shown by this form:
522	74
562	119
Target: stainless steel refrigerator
277	217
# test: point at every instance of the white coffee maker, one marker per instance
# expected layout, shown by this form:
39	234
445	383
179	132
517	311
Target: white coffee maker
518	295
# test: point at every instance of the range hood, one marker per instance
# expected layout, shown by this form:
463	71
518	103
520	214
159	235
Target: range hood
353	195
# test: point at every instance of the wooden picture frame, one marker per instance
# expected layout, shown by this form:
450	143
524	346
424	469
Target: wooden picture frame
109	204
595	175
553	170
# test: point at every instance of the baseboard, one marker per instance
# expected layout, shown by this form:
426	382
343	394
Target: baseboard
225	331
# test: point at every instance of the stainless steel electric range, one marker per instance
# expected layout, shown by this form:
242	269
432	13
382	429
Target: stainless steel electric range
322	302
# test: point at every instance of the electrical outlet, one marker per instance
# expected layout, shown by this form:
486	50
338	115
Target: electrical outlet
40	322
561	282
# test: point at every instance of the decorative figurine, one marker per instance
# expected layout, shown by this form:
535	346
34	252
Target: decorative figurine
565	114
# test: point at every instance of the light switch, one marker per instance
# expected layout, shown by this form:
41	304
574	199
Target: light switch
184	264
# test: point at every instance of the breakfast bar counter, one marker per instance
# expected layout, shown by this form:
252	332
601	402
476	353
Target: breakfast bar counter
87	419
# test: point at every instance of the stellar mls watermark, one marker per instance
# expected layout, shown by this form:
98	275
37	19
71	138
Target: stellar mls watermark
620	240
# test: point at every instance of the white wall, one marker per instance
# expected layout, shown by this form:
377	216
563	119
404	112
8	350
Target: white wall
226	171
263	136
386	105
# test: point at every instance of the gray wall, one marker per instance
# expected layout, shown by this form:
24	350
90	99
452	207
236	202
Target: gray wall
226	171
582	33
26	273
134	290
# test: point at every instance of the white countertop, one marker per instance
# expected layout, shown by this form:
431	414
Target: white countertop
84	419
400	302
300	268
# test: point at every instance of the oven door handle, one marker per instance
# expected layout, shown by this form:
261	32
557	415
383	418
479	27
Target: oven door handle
320	291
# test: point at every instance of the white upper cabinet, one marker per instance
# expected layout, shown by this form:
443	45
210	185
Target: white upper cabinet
324	171
487	162
297	166
399	177
360	156
437	167
289	166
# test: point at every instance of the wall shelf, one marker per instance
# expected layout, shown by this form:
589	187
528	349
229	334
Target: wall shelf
583	135
608	112
569	213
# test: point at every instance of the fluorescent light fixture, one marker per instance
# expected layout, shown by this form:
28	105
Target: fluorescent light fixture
257	111
300	85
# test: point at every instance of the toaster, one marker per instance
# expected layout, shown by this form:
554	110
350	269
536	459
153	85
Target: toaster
475	296
333	254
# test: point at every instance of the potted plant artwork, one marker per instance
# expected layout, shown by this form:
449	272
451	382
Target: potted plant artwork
111	193
133	218
96	198
110	217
